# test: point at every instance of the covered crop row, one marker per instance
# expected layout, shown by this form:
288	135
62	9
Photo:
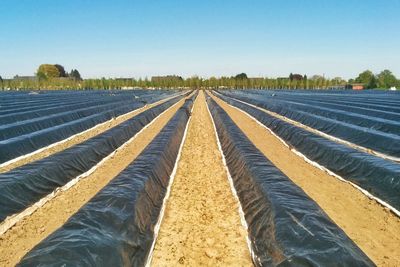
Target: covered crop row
286	227
116	227
358	130
58	109
46	99
13	98
25	185
367	96
27	136
319	100
25	111
11	114
370	102
26	127
27	122
346	116
378	176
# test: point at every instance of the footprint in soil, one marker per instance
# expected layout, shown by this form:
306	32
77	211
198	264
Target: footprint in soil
181	260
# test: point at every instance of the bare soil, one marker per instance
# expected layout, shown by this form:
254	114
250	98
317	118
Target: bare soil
201	225
27	233
79	138
371	226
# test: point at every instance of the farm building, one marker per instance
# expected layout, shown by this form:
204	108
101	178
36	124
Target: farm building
355	86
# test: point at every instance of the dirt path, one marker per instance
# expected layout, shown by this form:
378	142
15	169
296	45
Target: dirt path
372	227
201	225
79	138
17	241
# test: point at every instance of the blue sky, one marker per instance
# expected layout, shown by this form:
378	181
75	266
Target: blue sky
144	38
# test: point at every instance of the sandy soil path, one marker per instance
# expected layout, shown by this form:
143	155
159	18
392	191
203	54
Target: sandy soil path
201	225
17	241
79	138
372	227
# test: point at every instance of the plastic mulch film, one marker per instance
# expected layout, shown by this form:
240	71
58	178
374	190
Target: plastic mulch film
22	136
116	227
286	227
374	133
25	185
378	176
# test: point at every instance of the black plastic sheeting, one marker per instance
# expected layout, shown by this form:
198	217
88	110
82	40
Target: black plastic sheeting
37	135
116	227
25	113
348	114
50	101
23	186
286	228
378	176
373	100
366	135
29	113
44	118
20	128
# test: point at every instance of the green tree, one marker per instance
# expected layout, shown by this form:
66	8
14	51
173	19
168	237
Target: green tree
241	76
386	79
48	71
367	78
338	81
61	70
75	75
41	76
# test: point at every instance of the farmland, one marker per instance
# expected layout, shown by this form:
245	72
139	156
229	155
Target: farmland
219	177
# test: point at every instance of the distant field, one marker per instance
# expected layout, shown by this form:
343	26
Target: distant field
220	177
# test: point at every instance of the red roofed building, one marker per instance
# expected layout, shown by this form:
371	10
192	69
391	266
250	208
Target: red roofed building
357	86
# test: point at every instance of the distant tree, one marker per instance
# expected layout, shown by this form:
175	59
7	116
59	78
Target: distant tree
165	81
338	81
41	76
297	77
306	83
48	71
386	79
74	74
367	78
213	82
61	70
241	76
46	79
317	77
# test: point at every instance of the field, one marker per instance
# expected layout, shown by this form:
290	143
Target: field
215	178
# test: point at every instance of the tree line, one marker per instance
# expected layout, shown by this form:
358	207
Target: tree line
385	79
55	77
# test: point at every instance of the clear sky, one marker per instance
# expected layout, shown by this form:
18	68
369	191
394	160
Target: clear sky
116	38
